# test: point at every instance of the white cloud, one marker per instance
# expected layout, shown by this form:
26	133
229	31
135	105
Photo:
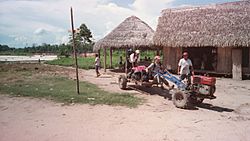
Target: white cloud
47	21
40	31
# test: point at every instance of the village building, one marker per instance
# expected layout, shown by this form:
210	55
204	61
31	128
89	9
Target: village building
131	33
217	37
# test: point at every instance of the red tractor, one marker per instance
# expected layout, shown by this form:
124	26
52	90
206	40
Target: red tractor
184	96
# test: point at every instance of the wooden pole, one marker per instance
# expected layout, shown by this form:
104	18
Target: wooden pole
105	59
126	61
74	48
110	53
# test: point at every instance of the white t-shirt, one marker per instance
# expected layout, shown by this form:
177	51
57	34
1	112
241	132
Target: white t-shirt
133	58
97	61
185	65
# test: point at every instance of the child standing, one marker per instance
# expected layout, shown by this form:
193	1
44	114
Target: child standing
97	65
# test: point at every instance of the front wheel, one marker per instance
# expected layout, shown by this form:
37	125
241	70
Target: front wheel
122	81
181	99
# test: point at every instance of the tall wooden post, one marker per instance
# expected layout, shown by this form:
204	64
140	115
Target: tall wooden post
105	59
126	61
158	52
237	64
110	55
74	48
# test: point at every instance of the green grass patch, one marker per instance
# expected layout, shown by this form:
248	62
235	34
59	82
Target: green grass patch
88	62
61	89
84	63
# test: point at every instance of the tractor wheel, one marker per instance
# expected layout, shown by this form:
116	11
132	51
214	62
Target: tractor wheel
181	99
122	82
197	100
213	89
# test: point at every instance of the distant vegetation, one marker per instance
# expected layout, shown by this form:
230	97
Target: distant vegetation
61	50
83	41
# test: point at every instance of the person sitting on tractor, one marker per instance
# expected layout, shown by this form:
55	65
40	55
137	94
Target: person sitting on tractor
154	68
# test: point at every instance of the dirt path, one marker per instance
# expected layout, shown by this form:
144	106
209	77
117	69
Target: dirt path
226	118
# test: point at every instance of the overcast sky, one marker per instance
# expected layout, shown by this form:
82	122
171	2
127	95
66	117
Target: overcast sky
25	22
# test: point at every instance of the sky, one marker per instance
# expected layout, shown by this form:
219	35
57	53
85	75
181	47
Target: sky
33	22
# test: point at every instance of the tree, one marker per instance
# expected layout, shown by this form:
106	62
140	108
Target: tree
83	39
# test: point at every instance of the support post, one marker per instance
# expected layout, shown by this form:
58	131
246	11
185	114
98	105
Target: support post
126	61
158	52
99	55
105	59
237	64
74	48
110	55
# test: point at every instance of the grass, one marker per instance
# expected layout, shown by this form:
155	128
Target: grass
30	83
84	63
88	62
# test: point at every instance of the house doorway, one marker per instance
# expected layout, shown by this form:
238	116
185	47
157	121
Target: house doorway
203	58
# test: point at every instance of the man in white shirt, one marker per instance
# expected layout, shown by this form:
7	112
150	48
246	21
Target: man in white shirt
134	58
184	67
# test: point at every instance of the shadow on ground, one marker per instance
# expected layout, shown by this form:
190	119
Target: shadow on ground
167	95
214	108
152	91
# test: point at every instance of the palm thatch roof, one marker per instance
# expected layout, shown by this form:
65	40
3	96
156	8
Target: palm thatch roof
132	32
222	25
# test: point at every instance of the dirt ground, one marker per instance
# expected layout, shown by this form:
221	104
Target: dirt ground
226	118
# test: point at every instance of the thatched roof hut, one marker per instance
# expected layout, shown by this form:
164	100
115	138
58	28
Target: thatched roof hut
132	32
216	36
222	25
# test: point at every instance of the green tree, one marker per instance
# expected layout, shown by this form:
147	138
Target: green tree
83	39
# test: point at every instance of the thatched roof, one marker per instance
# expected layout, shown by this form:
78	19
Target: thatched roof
132	32
222	25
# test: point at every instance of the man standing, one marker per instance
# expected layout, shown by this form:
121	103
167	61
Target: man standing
97	65
134	58
184	66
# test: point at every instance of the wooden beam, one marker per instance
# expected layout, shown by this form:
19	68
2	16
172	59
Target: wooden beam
237	64
110	55
105	59
74	48
126	61
99	55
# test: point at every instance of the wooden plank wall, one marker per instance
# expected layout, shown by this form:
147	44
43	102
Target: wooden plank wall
171	57
237	64
224	60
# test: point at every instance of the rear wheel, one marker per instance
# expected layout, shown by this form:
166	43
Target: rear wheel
122	80
181	99
197	100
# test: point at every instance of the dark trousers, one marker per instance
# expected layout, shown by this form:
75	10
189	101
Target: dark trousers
187	76
97	69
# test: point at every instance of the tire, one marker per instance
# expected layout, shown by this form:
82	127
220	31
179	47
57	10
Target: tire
181	99
213	89
197	100
122	81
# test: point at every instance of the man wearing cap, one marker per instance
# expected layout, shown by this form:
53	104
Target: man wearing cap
184	66
134	58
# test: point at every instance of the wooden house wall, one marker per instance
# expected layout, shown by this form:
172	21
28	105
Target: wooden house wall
171	57
224	60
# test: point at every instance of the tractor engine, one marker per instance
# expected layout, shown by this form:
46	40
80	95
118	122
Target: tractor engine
139	74
204	85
